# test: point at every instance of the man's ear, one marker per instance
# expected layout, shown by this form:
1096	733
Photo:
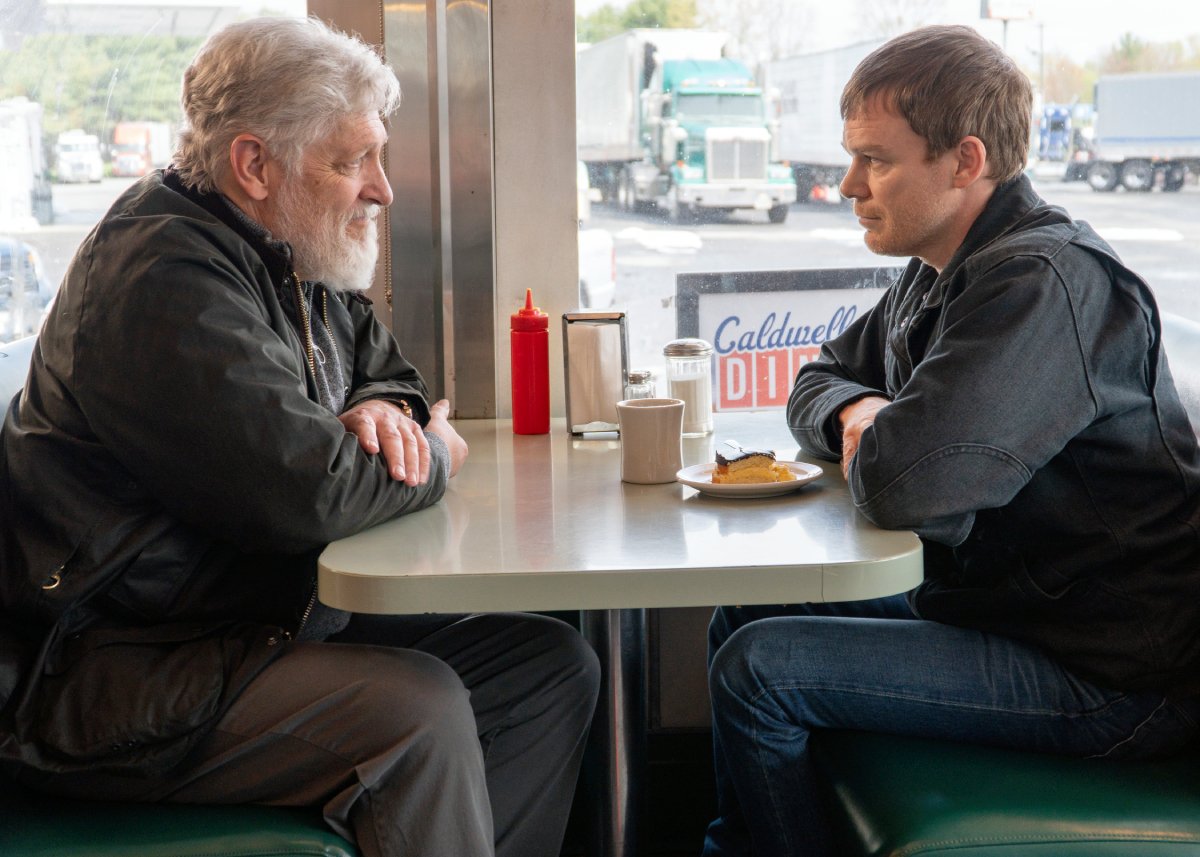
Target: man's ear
972	162
248	166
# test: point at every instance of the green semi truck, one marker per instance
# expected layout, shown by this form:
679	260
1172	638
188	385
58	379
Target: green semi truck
665	121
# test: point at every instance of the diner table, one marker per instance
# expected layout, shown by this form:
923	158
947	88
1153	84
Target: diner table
544	523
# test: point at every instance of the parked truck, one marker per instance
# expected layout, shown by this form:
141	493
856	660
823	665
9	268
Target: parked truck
1147	131
25	196
139	147
665	120
77	157
1054	133
810	119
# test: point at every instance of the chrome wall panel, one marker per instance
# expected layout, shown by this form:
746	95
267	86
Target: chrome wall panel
440	167
466	166
410	43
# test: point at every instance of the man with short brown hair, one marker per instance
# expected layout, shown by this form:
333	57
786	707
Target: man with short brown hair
1009	401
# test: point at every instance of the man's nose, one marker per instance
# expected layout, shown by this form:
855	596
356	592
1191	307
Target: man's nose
852	185
377	189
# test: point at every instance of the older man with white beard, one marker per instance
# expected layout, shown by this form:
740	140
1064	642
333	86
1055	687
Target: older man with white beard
211	401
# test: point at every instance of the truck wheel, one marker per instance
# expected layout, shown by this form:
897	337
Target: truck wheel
1102	176
778	213
679	212
805	181
683	214
625	193
1137	175
1174	178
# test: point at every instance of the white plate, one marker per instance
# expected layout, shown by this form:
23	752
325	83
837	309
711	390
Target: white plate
699	476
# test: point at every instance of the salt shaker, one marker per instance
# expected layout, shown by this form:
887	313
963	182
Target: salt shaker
639	385
689	377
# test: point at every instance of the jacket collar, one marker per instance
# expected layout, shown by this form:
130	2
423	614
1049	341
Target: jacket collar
276	255
1010	204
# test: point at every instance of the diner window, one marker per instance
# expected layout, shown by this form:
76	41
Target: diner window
1115	134
89	102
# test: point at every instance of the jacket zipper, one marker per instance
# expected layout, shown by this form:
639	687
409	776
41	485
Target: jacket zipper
308	609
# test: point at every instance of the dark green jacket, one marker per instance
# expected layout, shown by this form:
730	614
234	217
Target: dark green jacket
169	478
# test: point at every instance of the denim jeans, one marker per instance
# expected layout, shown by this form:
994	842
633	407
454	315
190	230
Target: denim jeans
777	673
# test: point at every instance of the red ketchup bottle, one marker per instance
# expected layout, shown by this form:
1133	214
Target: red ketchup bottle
529	339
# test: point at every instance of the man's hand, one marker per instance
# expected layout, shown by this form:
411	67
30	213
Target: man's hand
855	418
439	425
381	426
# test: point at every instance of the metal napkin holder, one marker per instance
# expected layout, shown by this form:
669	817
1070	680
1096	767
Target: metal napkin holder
595	365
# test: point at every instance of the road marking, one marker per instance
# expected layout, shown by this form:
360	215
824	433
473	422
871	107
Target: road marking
845	236
1130	233
663	240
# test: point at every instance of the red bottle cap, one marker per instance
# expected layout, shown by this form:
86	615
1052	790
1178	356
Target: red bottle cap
529	317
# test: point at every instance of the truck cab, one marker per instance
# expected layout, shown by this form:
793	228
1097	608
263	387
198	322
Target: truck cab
77	156
706	123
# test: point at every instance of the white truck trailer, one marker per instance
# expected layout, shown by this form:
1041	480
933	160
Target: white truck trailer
810	120
25	196
1147	131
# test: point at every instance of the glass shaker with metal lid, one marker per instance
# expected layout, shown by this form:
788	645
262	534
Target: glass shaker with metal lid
689	377
639	385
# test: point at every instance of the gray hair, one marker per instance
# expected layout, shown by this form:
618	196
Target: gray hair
288	81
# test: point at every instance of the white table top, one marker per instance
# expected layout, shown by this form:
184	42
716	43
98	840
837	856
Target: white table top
543	522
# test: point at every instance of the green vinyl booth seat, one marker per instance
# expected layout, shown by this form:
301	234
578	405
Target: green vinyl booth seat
41	826
902	797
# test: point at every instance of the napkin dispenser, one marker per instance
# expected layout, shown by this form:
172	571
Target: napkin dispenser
596	359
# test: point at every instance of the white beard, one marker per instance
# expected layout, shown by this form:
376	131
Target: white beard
321	249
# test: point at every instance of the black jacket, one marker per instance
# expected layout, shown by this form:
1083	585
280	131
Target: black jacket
1035	441
169	478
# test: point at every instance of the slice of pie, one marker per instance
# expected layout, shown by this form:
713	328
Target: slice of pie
749	465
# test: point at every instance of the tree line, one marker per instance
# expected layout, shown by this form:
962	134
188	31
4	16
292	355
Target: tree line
762	30
92	82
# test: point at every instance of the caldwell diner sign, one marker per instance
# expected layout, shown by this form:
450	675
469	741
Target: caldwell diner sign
765	325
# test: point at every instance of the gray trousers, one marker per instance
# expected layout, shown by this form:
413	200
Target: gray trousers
418	736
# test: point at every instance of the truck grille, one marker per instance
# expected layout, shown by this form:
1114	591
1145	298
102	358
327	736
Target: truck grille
734	160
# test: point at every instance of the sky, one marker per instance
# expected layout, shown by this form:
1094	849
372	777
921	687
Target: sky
1080	29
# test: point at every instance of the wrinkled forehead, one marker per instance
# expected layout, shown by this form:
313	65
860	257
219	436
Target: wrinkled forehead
349	133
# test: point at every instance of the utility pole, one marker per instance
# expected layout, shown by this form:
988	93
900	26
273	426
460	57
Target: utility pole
1005	11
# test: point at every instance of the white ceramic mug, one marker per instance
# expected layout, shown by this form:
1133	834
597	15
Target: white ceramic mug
651	439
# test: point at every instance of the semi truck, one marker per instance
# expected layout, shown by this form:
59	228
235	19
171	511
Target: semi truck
77	157
1147	131
139	147
1054	133
810	119
665	121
